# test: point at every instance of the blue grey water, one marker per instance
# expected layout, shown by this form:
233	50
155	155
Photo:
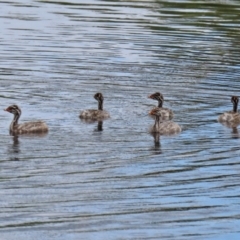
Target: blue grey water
77	182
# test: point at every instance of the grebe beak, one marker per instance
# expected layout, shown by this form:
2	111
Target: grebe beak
150	113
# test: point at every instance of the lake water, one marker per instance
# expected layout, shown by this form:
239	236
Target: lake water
78	182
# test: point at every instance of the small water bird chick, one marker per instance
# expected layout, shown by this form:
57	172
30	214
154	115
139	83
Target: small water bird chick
95	114
166	113
24	128
231	118
161	126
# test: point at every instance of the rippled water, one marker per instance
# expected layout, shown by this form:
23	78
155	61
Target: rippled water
81	183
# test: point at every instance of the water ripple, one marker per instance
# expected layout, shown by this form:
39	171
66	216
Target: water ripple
115	180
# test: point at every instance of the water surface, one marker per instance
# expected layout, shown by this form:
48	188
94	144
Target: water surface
81	183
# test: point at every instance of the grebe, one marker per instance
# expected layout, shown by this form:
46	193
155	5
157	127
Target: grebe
161	126
166	113
94	114
231	118
24	128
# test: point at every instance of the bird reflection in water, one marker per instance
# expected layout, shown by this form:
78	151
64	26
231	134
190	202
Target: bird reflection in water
14	149
157	144
235	133
99	127
233	126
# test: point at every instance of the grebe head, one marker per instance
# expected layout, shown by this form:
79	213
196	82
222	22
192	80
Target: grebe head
234	99
99	97
157	96
14	109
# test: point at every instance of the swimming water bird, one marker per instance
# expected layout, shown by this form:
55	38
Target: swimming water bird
166	113
231	118
161	126
24	128
95	114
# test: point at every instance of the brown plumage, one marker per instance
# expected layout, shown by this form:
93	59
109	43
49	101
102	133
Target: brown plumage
231	118
24	128
95	114
166	113
164	128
